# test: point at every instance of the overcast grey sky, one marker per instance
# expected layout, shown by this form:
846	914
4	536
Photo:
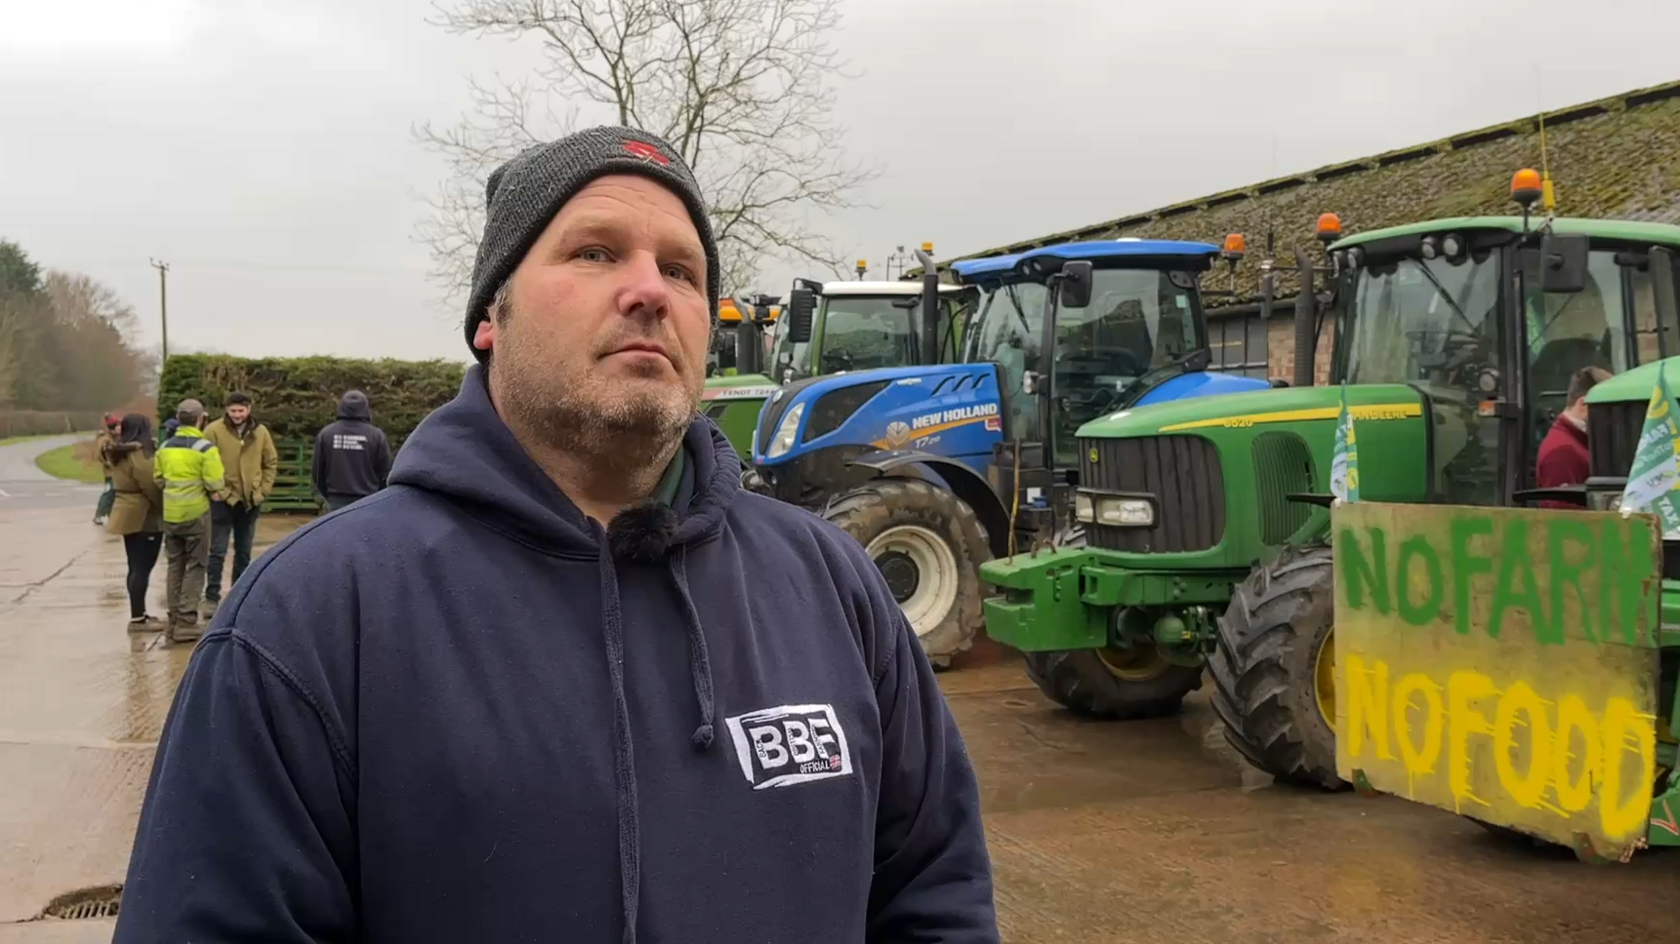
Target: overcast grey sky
264	149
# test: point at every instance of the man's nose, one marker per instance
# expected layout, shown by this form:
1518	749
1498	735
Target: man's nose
644	291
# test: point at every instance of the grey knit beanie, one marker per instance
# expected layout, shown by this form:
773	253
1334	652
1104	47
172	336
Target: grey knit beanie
524	194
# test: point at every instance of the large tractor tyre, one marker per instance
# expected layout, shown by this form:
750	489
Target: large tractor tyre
1113	684
928	545
1273	669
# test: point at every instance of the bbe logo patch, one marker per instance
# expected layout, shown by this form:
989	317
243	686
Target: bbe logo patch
780	747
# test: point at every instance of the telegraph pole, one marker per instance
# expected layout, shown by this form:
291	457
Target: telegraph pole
163	304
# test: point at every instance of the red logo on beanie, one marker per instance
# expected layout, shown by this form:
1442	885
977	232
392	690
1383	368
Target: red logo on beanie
646	152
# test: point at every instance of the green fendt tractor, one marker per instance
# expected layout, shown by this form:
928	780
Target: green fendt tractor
1206	538
825	328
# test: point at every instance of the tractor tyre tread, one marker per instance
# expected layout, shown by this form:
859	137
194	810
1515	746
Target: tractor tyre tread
873	507
1078	680
1262	686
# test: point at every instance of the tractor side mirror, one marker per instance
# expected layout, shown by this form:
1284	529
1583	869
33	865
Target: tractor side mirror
802	306
1563	262
1076	284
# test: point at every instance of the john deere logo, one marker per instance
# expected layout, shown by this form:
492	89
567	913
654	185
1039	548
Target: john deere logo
1093	455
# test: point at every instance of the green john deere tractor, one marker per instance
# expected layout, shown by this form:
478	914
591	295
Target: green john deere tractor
826	328
1206	523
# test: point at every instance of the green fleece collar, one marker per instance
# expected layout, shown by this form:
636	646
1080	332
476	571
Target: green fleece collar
666	491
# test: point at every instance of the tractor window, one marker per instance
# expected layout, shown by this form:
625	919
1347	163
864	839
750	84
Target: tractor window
1007	331
786	356
1436	324
1587	328
865	333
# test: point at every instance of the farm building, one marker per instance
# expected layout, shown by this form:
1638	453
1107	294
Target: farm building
1618	157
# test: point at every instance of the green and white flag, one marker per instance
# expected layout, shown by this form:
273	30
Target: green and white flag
1344	460
1653	484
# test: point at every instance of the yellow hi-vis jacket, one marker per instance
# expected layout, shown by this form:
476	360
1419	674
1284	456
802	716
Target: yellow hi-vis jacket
189	469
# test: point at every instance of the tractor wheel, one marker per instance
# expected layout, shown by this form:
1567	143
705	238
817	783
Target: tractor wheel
1113	684
928	545
1274	669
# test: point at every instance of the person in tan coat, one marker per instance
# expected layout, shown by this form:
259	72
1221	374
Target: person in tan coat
250	461
136	511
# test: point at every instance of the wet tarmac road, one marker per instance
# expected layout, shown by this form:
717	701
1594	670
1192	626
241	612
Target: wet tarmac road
1137	832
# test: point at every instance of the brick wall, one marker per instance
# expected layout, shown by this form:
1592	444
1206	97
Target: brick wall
1280	347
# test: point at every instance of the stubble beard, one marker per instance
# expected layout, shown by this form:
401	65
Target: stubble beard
617	429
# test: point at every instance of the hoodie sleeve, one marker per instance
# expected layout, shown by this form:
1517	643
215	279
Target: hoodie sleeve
246	831
933	876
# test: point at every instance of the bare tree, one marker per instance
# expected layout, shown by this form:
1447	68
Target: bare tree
737	86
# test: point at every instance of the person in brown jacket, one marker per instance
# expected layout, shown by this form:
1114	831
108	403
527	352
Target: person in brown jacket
136	512
251	461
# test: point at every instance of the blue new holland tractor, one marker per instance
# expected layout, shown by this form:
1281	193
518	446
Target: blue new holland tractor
935	469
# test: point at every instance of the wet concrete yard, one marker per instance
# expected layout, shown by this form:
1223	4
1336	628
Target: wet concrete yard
1135	832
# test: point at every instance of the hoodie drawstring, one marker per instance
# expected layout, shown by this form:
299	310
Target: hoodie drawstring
699	663
624	764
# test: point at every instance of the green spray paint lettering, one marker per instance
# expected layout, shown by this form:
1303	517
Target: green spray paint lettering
1365	571
1417	547
1465	565
1496	558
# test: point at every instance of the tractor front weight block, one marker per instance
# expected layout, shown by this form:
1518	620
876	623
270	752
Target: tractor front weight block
1065	599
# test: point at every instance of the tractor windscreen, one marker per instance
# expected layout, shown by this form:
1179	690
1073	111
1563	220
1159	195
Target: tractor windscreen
1428	321
1138	320
865	332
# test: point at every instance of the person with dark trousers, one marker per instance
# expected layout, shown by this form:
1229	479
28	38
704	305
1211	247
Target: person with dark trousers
136	512
1564	458
252	462
352	456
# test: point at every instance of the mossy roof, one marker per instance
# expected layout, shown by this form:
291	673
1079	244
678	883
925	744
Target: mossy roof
1615	158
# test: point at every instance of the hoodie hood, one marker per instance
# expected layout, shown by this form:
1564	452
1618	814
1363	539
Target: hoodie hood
465	452
354	406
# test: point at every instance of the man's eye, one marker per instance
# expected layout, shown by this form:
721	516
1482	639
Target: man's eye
595	254
679	272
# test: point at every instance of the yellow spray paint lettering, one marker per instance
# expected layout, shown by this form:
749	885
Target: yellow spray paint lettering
1501	663
1503	744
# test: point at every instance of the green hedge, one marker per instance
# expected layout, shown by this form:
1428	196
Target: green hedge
295	397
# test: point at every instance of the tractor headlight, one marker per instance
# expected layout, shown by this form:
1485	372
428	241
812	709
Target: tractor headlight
785	432
1604	499
1114	510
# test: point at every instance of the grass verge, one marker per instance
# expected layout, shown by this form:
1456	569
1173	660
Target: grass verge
74	462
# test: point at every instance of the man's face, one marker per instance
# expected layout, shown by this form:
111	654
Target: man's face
237	412
607	325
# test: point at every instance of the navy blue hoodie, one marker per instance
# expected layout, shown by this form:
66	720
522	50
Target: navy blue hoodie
458	711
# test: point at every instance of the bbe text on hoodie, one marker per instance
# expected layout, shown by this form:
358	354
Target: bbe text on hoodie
452	713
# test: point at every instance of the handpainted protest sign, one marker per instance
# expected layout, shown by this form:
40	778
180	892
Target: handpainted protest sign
1501	663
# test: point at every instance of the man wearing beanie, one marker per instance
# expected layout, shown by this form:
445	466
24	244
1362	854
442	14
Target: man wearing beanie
528	692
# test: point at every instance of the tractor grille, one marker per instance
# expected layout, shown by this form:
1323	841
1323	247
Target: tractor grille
1282	466
1612	435
1183	474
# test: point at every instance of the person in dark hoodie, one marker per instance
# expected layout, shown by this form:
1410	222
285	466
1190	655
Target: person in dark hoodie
352	456
564	680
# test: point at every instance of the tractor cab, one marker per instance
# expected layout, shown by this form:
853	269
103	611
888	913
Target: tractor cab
1488	319
853	326
825	328
740	345
1081	330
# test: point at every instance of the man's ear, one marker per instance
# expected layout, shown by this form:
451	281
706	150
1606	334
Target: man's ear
484	336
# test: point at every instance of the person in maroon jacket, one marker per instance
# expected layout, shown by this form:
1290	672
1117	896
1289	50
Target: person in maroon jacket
1564	459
